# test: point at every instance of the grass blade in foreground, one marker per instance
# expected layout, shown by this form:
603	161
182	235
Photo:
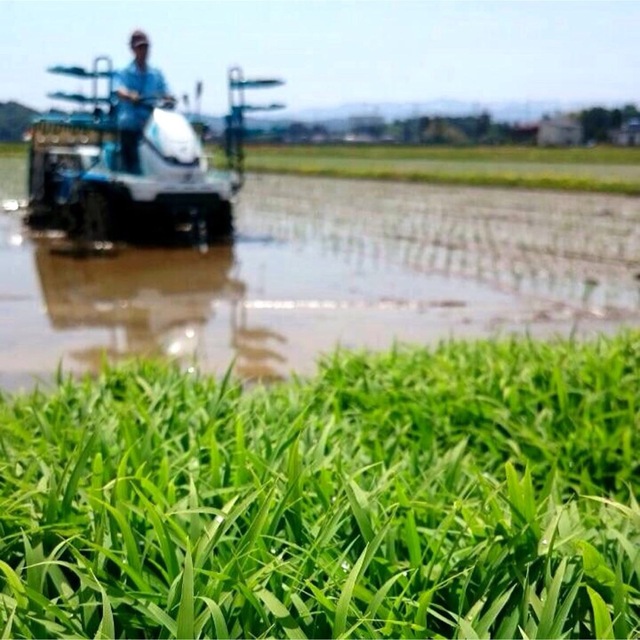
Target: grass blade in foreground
476	488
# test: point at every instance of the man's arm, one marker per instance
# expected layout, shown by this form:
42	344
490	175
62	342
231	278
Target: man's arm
131	96
163	88
123	92
127	94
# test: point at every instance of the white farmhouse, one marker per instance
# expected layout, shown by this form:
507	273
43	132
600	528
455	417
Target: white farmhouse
560	131
629	133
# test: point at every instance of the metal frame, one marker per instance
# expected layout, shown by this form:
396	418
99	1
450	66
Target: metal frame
235	131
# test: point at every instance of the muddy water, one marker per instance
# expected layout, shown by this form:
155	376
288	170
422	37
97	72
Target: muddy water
318	264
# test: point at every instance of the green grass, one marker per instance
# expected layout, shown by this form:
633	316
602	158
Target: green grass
606	170
599	155
474	489
9	149
603	169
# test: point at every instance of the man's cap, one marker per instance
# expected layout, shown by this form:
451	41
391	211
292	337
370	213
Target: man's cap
137	38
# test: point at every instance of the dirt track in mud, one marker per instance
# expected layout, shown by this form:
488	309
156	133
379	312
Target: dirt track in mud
320	263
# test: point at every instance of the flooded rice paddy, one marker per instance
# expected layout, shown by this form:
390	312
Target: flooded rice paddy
320	263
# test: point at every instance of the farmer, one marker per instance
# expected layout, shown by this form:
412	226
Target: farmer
136	86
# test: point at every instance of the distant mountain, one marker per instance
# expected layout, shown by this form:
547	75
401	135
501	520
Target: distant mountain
14	121
336	119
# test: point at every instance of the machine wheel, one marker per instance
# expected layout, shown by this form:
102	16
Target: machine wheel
220	222
95	221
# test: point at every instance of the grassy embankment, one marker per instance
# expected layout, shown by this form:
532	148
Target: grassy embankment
475	489
599	169
8	149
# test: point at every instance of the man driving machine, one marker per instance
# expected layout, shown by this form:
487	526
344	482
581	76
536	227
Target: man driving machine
137	86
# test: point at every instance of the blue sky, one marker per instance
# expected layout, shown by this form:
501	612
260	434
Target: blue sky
335	52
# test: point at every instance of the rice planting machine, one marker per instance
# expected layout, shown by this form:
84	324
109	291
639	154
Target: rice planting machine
77	184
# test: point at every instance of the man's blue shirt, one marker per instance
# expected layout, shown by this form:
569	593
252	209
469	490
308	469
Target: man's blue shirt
149	83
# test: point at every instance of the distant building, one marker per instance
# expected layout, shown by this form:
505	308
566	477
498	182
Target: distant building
525	133
365	128
560	131
365	122
628	135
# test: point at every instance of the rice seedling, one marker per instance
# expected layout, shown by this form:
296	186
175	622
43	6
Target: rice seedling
478	489
508	238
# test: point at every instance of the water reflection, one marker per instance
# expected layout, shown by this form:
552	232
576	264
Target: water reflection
321	263
155	303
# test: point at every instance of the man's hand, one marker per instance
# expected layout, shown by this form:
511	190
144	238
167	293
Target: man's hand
128	95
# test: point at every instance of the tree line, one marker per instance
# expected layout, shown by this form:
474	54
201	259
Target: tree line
597	125
15	119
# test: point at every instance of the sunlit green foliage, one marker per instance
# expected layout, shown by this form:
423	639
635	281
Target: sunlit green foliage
475	489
